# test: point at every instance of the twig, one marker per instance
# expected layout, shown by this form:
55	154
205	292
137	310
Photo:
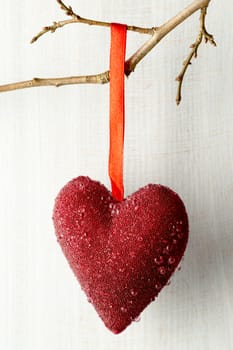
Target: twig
157	34
101	78
193	54
52	28
78	19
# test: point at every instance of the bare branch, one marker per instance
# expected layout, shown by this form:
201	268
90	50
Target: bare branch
68	9
78	19
52	28
101	78
157	34
193	54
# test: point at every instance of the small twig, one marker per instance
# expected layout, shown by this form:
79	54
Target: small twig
52	28
68	9
193	54
78	19
101	78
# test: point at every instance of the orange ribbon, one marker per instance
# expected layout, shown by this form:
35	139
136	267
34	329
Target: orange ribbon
117	109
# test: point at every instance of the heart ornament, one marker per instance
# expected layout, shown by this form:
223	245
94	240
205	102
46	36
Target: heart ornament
122	253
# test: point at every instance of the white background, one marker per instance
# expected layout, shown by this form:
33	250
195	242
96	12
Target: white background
49	135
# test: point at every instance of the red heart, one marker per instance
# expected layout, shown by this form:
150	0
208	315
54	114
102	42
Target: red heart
122	253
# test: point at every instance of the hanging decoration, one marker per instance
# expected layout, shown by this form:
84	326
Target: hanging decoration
123	251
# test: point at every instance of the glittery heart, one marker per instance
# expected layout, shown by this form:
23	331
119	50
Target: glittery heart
122	253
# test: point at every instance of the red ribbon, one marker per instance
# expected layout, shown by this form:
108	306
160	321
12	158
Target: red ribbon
117	108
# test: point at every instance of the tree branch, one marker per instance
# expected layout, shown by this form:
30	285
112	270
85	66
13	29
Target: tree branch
157	34
101	78
78	19
202	34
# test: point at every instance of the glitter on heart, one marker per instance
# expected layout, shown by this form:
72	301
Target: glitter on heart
122	253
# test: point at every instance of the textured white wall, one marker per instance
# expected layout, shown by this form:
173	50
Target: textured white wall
48	136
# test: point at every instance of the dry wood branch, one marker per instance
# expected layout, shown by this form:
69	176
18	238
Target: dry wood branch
78	19
194	50
157	34
101	78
